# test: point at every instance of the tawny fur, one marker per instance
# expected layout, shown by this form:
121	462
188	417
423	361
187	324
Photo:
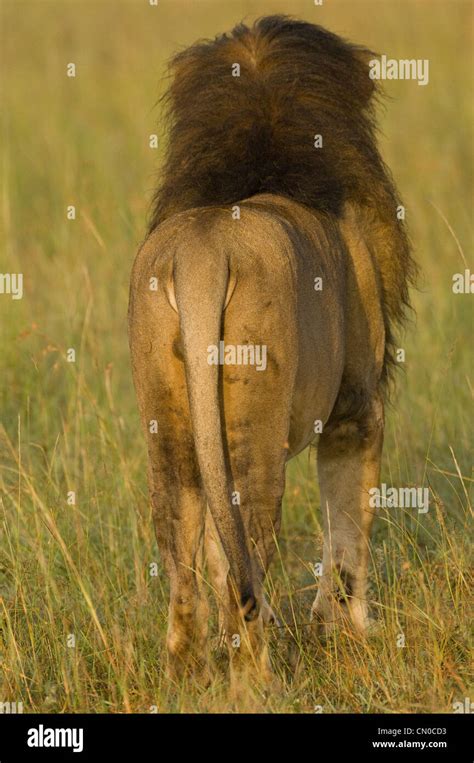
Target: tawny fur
305	213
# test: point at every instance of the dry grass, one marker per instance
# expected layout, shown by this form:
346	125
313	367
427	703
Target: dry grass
83	569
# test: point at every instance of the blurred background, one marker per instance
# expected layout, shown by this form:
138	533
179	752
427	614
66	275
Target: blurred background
79	565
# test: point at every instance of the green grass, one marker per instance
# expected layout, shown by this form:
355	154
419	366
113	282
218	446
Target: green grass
83	569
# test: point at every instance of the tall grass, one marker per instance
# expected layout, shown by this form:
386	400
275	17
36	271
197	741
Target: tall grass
82	621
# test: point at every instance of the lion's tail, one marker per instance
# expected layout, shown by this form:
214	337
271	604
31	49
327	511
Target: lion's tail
200	315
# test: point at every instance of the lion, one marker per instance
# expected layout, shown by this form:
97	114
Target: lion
276	226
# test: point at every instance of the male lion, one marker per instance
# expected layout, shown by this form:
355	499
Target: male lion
275	226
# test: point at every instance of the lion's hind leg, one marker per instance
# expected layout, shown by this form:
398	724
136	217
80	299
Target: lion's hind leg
177	495
178	511
349	455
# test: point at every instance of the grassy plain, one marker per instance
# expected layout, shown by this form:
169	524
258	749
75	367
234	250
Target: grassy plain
83	569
